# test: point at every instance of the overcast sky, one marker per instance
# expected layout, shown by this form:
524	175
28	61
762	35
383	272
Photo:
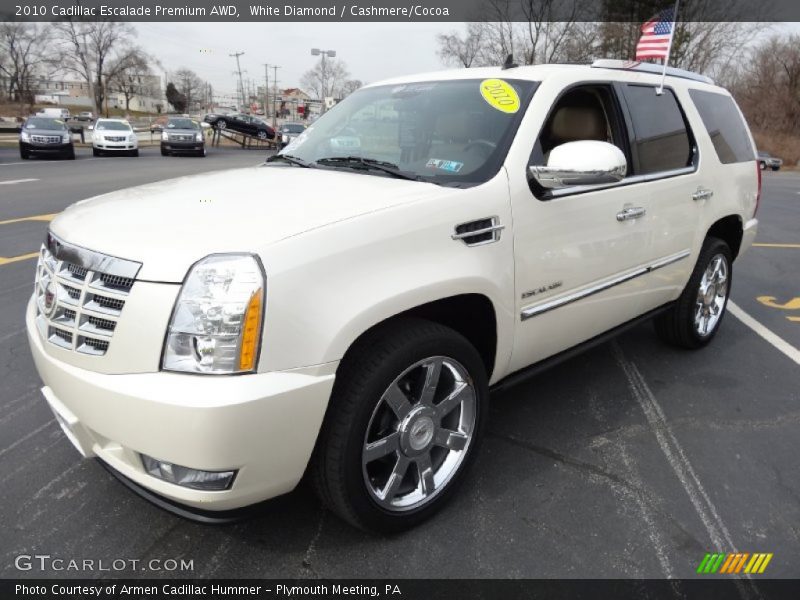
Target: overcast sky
372	51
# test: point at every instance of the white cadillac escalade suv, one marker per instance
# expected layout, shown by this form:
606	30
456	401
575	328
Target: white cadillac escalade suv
345	309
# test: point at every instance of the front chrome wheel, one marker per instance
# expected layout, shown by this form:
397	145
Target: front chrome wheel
419	433
712	295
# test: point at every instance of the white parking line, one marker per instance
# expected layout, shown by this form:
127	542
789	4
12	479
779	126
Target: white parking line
774	339
15	181
677	459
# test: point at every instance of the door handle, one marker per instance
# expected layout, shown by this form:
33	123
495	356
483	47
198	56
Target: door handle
630	213
702	194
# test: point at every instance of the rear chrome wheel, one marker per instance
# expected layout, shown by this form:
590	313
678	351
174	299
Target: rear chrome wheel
712	294
419	433
695	317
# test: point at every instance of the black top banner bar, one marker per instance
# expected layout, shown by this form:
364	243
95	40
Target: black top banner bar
232	11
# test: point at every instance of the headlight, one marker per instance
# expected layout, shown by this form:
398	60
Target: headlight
65	138
199	137
285	138
25	136
164	136
216	323
133	137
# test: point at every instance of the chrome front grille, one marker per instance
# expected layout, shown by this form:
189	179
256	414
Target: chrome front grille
46	139
181	138
78	305
115	138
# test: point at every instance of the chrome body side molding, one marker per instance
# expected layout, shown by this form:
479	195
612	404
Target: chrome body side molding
538	309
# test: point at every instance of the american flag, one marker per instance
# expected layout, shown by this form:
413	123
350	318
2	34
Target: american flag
656	33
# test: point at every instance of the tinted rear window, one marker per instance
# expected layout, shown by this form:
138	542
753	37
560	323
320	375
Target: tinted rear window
662	140
725	126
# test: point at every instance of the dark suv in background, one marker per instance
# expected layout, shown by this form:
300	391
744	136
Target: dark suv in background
182	135
45	136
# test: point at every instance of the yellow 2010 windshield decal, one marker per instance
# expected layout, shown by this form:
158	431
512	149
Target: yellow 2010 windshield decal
500	95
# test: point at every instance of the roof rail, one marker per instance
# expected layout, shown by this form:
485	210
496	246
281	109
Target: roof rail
639	67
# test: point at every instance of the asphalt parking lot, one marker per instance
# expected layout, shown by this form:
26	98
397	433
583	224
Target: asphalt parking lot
632	460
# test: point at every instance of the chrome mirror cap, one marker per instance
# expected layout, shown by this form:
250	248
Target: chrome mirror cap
581	163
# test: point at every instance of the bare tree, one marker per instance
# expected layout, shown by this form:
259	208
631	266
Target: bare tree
461	51
326	78
94	51
22	57
350	86
190	85
132	77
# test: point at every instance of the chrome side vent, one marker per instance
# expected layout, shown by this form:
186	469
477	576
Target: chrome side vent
479	232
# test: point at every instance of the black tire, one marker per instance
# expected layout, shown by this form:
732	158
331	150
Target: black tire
776	168
221	124
164	152
677	325
201	153
263	135
70	155
24	154
366	372
135	152
95	152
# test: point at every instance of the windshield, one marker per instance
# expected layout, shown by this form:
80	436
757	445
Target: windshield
449	132
182	124
44	123
112	126
293	128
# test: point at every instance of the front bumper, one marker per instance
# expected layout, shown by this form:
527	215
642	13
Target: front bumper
182	146
46	148
106	145
262	425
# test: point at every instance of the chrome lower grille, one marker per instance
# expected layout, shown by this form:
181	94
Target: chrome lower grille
78	306
46	139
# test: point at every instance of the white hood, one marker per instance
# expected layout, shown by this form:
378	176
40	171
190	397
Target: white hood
170	225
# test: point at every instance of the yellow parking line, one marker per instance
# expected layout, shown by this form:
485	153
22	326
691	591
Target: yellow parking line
5	261
777	245
33	218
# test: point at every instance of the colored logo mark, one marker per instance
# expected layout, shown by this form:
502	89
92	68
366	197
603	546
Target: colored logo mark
740	562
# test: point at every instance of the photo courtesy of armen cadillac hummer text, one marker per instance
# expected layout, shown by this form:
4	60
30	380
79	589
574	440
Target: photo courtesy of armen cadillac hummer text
342	311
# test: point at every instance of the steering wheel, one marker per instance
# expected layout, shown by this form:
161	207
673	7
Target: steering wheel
485	146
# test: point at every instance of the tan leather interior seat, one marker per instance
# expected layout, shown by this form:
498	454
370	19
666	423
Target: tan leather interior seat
580	116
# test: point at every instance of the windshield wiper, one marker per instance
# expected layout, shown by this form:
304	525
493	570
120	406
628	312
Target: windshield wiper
358	162
293	160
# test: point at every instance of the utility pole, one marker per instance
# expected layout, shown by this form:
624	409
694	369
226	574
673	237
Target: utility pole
239	69
275	101
266	91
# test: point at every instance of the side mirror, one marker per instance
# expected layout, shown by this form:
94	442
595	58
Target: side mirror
581	163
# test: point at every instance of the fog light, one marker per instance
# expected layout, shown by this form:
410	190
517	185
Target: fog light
207	481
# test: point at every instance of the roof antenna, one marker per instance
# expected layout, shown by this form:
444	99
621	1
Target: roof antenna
509	64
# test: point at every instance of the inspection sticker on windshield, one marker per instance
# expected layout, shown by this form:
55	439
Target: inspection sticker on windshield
451	166
500	95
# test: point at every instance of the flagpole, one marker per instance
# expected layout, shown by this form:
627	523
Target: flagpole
660	90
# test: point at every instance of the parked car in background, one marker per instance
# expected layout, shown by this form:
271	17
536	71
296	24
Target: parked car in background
289	131
85	116
45	136
767	161
241	123
115	136
54	113
182	135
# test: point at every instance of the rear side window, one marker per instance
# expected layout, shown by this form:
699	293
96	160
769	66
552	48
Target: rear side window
725	126
661	138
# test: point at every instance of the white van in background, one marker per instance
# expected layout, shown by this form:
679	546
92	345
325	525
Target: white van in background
55	113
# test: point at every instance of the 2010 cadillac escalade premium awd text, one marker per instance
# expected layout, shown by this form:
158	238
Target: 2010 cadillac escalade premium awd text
427	238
